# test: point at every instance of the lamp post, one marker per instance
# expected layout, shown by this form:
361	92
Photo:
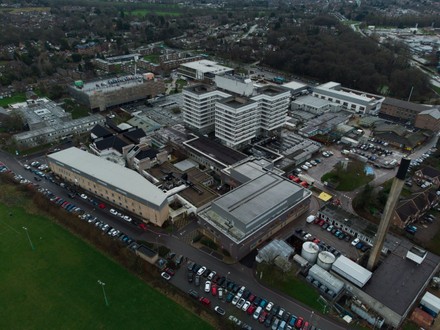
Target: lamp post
157	243
29	238
102	284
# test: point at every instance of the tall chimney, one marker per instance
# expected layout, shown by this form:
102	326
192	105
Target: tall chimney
384	224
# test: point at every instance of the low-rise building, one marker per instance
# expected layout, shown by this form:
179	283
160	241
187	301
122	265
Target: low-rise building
119	186
351	100
204	69
428	119
401	110
314	105
242	219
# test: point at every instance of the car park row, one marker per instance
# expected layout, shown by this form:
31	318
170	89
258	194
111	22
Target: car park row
338	233
226	290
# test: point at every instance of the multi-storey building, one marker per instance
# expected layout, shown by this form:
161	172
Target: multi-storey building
401	110
237	120
350	100
199	107
273	103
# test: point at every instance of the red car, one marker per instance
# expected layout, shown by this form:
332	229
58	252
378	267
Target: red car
205	301
306	326
251	309
263	316
252	298
299	322
321	222
214	290
170	271
143	226
101	205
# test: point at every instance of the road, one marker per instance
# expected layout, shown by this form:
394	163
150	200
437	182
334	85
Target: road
238	272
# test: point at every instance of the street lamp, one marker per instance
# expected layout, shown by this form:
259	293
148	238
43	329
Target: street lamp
157	242
102	284
29	238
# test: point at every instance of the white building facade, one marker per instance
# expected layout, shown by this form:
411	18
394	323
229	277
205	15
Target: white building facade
237	120
273	102
350	100
199	107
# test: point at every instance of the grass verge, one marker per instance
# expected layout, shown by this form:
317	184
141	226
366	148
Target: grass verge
290	284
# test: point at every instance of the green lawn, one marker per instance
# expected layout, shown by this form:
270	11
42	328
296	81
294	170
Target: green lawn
55	286
17	97
289	284
350	179
153	58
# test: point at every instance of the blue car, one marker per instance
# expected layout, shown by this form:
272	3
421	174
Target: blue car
359	245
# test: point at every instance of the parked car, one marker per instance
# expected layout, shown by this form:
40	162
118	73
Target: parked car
165	276
201	271
205	301
355	241
219	310
207	286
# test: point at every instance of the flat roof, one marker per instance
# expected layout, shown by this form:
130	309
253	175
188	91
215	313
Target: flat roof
272	90
312	101
215	151
123	179
398	281
200	89
294	85
236	101
111	84
253	201
206	66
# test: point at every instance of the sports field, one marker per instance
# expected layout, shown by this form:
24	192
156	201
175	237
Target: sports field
55	286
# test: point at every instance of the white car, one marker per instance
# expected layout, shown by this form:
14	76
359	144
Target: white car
165	276
201	271
127	218
240	303
355	241
246	306
304	167
83	196
240	292
113	211
211	275
207	286
235	300
269	306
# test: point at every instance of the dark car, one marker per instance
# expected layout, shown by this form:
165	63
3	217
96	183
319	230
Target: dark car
229	297
221	281
190	277
190	265
197	280
257	301
193	293
324	226
246	294
268	320
206	272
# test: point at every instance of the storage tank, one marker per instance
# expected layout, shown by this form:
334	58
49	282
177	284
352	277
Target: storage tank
325	260
310	252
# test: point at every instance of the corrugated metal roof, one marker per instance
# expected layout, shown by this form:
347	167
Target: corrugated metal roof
103	170
351	271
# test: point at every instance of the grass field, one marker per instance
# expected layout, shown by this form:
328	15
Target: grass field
17	97
55	286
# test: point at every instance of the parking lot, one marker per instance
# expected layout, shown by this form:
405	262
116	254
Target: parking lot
327	241
230	299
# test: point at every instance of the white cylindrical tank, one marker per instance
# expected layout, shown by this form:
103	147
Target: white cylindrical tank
310	252
326	260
